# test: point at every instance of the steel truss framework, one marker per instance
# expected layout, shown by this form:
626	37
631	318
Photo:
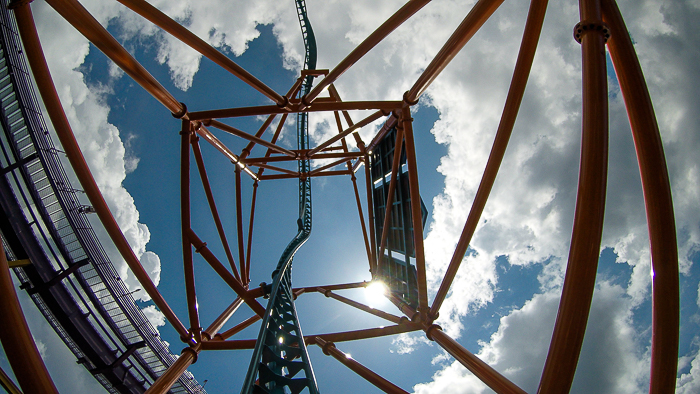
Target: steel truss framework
601	24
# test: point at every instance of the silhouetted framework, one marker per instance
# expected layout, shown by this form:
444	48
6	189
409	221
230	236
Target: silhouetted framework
601	25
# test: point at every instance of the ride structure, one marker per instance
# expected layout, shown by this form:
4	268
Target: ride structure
395	214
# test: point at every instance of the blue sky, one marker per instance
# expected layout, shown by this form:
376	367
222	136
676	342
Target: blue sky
505	296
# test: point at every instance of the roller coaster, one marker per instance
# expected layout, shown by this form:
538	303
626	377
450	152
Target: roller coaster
48	242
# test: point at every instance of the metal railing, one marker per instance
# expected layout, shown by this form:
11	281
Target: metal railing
57	218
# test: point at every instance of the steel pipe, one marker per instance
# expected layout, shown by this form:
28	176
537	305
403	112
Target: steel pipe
212	207
187	261
523	65
17	340
173	373
416	215
476	18
480	369
249	137
219	322
163	21
388	316
347	132
273	109
386	386
73	12
399	17
209	257
579	282
657	200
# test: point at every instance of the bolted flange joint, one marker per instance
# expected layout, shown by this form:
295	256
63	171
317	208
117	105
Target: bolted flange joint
429	331
181	113
190	350
407	101
326	348
584	27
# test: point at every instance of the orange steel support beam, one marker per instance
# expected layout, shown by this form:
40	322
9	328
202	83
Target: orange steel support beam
17	340
304	154
188	262
386	127
362	216
246	151
479	14
353	178
480	369
329	349
399	17
349	130
363	334
210	138
308	175
362	307
202	249
173	373
657	199
327	166
294	174
370	216
237	328
523	65
392	188
216	325
7	383
42	76
239	228
250	226
334	93
574	306
243	134
416	215
163	21
273	109
73	12
238	344
258	292
212	206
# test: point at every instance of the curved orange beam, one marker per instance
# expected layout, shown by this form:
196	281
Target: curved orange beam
579	282
42	76
658	202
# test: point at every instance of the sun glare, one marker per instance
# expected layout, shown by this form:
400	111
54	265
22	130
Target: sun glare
376	293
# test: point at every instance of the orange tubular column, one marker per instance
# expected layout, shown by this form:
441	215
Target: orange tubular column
17	340
386	386
212	205
392	188
657	198
42	76
187	259
579	282
416	214
370	215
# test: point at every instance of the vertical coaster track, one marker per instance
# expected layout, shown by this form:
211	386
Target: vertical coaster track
280	343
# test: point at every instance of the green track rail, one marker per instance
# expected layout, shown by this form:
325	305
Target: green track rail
280	353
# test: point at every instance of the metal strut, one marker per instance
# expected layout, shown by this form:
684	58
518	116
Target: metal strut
280	353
